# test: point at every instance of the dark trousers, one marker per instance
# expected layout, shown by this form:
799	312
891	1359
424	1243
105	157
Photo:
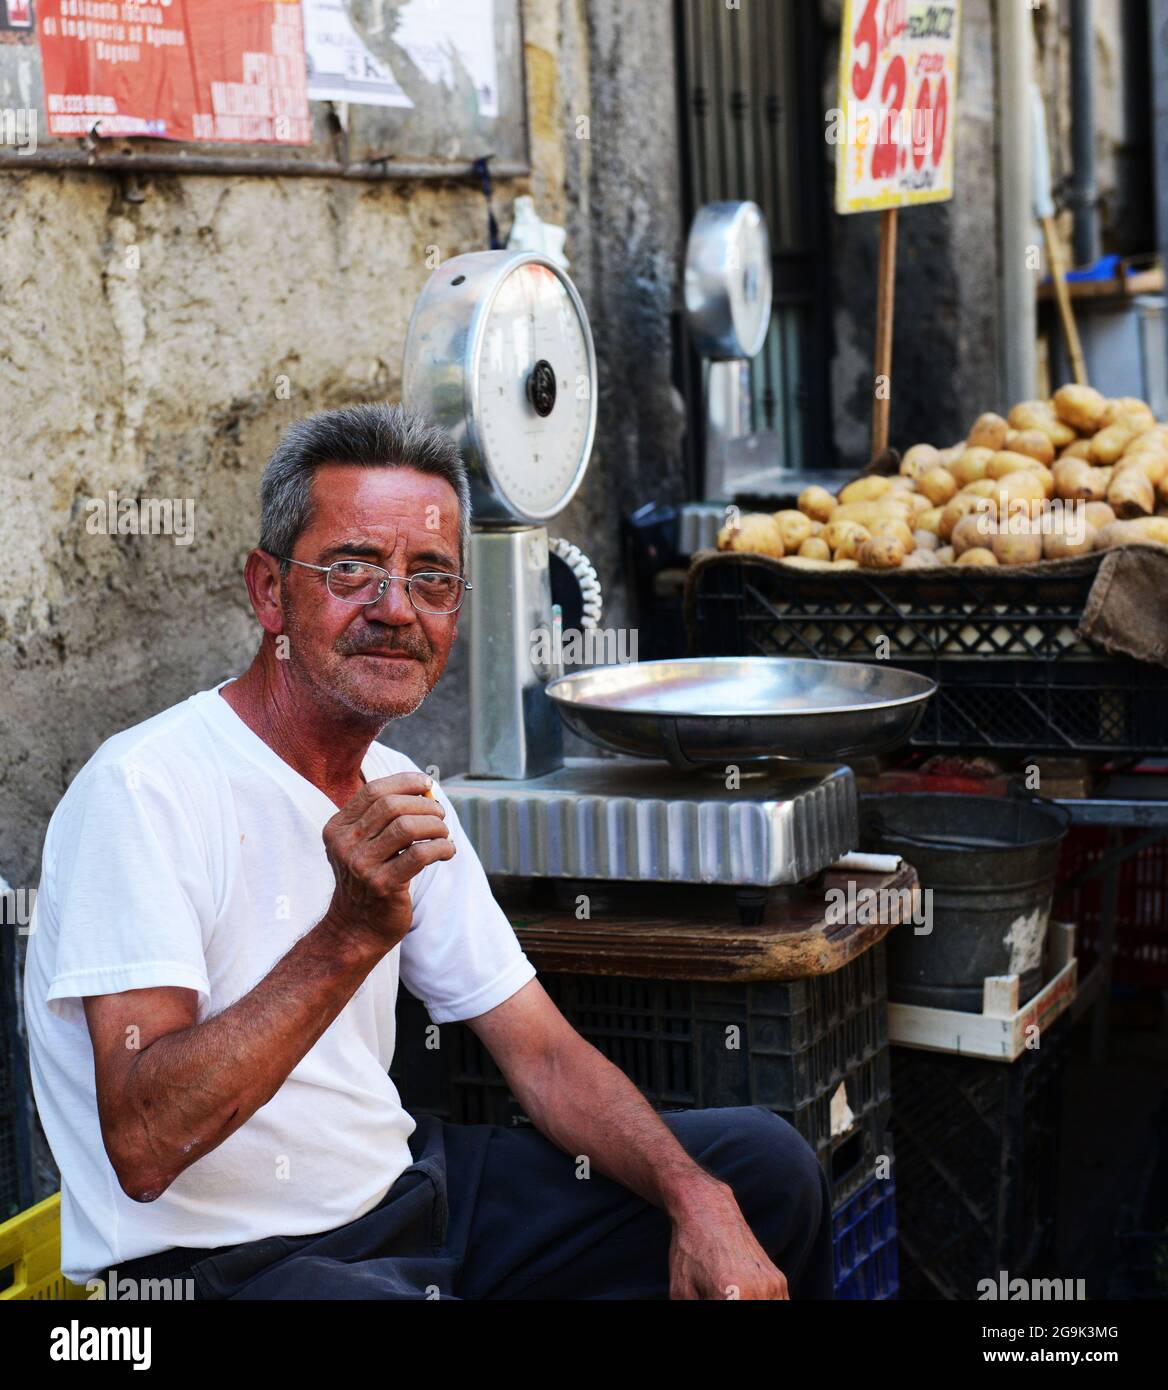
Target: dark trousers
490	1211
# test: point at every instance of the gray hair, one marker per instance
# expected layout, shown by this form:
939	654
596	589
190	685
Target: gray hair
373	436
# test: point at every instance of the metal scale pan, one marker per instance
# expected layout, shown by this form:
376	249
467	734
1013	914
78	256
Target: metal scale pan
717	710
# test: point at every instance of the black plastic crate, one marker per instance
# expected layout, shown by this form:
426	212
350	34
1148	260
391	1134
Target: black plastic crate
864	1242
796	1042
977	1164
1014	674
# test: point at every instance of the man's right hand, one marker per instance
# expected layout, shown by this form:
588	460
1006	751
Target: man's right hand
376	843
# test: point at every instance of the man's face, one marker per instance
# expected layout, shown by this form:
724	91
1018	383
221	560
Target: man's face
380	659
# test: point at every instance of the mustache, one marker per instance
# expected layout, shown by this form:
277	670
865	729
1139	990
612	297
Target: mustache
419	650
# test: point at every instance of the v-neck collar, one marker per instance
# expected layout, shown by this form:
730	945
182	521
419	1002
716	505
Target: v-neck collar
218	713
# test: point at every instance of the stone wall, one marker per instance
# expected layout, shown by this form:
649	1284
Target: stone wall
156	335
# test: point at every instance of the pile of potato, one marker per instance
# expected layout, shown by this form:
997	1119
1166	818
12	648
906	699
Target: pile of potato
1000	497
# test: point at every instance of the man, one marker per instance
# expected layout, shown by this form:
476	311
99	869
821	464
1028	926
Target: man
230	894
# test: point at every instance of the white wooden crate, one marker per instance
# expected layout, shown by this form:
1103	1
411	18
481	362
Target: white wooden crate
1000	1032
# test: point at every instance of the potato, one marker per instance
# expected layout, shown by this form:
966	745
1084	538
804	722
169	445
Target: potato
1033	443
948	457
989	432
1069	535
815	548
1016	549
817	503
1147	530
1152	466
845	539
1005	461
938	485
945	554
1081	407
984	487
1131	494
972	532
882	553
1155	439
1073	478
891	529
1109	443
867	513
753	533
920	560
865	489
925	540
919	458
1023	490
977	556
962	505
899	485
805	562
1129	410
1061	434
1026	415
918	505
816	528
972	465
1099	514
794	527
930	520
1080	449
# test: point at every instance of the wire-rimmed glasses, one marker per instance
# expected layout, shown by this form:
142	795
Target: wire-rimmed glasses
357	581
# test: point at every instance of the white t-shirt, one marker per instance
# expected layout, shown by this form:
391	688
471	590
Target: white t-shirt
187	852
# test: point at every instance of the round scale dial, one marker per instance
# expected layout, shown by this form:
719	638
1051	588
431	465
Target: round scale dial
728	284
499	352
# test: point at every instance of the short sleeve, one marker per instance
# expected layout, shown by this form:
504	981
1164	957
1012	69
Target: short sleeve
461	957
129	890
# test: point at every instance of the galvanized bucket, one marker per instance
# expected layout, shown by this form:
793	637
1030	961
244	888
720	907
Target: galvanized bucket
990	863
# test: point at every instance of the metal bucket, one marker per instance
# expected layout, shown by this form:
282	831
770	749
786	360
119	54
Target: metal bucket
991	864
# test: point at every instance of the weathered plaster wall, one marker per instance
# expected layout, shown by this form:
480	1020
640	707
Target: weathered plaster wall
146	331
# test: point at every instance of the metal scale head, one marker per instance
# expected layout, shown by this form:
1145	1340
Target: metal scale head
499	353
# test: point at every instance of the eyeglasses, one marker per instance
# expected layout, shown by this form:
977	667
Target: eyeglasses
355	581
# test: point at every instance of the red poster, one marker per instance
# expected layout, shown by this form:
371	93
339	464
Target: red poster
224	70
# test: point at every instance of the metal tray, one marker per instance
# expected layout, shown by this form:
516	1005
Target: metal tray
703	710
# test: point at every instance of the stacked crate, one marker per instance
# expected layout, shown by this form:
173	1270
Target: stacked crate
977	1164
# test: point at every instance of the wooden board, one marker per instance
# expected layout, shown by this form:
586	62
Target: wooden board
793	941
1001	1031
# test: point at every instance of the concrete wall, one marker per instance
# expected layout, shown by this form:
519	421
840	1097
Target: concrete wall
146	330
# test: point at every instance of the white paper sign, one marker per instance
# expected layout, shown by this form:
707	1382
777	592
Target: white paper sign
438	35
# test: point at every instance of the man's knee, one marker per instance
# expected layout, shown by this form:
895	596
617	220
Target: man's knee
774	1171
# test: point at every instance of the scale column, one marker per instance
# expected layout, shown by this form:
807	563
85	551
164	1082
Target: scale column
515	731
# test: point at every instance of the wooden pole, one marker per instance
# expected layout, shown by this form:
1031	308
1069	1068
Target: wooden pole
1066	313
885	303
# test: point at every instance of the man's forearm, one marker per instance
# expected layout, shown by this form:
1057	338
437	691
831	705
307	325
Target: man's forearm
189	1090
588	1107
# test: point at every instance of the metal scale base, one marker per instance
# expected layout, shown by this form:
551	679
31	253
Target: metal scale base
634	820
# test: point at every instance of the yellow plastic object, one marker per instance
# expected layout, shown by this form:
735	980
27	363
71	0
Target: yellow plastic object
30	1244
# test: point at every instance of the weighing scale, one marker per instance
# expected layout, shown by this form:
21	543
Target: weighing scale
499	353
